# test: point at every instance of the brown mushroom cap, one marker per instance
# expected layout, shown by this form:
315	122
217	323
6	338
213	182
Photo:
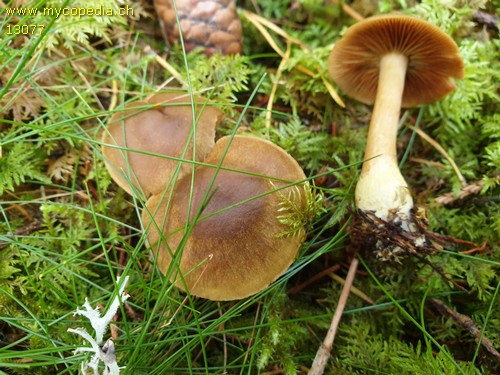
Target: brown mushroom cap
163	129
213	25
433	58
232	252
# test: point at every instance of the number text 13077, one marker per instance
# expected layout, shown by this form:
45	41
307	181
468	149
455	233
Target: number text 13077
24	29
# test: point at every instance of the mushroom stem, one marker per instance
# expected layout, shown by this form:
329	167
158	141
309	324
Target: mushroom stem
381	187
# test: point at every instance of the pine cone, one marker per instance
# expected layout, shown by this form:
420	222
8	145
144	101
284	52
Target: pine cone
211	24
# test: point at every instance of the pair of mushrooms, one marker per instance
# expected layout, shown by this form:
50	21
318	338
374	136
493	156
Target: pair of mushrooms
214	226
222	230
392	61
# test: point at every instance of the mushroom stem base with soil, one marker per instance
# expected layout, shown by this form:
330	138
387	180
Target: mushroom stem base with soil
392	61
381	187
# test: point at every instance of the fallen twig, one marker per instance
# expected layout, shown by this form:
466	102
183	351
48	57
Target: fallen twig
318	276
442	151
261	25
477	249
358	293
164	64
488	20
324	351
466	191
349	11
468	324
277	79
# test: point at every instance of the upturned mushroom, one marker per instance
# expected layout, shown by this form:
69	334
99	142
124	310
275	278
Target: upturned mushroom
226	239
392	61
144	142
213	25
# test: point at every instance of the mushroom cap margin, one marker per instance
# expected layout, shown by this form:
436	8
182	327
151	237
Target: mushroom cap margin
433	58
160	125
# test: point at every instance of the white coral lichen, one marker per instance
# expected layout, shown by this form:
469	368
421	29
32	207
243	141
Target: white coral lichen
106	353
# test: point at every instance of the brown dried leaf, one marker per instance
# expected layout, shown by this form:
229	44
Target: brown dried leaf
63	167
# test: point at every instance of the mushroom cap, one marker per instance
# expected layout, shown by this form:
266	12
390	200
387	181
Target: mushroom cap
433	58
213	25
232	251
160	125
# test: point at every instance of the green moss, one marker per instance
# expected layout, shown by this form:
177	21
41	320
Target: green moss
67	231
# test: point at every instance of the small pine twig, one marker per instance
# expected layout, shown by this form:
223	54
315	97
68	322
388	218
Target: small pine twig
477	249
261	24
349	11
277	79
442	151
324	352
296	289
114	95
468	324
165	65
449	198
465	191
488	20
355	291
255	18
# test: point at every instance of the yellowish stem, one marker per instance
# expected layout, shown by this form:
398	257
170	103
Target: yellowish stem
381	187
385	117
